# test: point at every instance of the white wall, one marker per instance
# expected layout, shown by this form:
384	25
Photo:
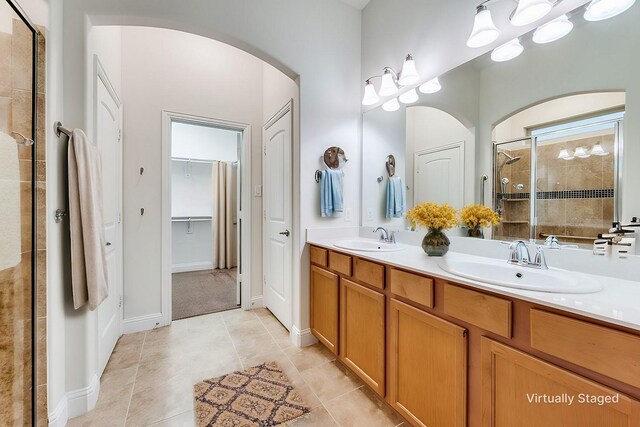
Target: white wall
203	142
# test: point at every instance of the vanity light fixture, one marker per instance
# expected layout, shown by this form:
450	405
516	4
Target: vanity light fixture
507	51
599	10
409	74
391	105
409	97
529	11
553	30
484	31
432	86
390	81
564	154
370	95
581	152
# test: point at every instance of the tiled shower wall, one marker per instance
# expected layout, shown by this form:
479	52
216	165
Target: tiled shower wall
574	197
16	317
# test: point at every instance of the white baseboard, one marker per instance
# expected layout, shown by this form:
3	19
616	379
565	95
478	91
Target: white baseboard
191	266
302	338
60	415
81	401
256	302
141	323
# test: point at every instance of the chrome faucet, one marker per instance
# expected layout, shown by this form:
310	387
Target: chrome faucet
519	255
552	242
385	236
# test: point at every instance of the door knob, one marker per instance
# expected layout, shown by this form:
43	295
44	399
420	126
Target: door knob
285	233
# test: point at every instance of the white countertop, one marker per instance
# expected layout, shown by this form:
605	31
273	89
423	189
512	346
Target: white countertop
618	302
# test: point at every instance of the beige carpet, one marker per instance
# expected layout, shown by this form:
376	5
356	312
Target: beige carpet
259	396
202	292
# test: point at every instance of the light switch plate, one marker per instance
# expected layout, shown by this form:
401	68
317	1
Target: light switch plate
369	214
347	214
257	191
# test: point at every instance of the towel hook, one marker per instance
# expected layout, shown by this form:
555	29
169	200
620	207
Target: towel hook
391	165
59	215
318	175
380	179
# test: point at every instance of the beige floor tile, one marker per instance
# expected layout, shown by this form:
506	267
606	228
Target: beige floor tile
309	357
106	414
318	417
116	383
186	419
282	337
238	316
371	410
246	329
331	380
130	342
214	371
167	398
123	360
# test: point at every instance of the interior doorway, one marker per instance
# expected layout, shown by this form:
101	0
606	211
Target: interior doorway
206	227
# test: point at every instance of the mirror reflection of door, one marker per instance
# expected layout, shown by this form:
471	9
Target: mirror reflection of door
439	175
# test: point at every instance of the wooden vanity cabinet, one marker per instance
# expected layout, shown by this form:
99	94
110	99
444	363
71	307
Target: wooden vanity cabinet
325	297
427	367
514	385
362	333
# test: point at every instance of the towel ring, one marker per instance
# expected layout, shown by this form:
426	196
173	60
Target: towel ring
391	165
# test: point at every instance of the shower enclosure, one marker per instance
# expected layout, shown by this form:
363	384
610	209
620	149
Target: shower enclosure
18	172
561	180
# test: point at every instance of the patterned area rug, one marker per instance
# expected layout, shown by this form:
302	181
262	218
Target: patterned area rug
259	396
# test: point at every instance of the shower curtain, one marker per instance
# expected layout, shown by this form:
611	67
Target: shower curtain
224	221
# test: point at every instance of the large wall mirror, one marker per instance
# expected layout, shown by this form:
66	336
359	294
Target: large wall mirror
548	139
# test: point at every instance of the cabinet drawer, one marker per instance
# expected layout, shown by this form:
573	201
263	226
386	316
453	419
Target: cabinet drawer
487	312
604	350
369	273
412	287
340	263
319	256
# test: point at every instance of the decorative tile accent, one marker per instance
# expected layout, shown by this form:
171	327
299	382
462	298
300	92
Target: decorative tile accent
567	194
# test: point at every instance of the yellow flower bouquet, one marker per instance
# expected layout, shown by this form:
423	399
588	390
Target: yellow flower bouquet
435	218
476	217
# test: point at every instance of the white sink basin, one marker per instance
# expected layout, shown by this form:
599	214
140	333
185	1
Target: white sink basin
368	245
502	273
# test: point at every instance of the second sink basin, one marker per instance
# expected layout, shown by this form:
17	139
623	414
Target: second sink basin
368	245
512	276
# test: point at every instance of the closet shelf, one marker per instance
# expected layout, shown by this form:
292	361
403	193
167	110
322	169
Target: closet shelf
190	218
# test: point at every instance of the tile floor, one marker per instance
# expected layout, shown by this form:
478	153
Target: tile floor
150	376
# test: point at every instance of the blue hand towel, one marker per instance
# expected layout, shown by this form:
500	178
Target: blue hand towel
395	198
331	200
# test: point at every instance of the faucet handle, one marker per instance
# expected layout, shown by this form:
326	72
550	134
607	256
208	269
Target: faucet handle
552	242
540	260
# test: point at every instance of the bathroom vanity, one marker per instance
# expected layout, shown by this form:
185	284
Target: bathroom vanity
445	351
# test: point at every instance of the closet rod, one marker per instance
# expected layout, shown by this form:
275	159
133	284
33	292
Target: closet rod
190	218
185	159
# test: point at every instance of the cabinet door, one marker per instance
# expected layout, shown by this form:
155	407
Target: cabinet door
519	389
428	368
325	294
362	333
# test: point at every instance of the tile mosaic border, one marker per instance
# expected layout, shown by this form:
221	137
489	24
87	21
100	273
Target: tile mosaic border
606	193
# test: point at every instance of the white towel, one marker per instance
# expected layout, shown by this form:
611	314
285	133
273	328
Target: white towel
10	234
88	254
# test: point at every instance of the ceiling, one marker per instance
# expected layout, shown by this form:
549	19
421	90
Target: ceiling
358	4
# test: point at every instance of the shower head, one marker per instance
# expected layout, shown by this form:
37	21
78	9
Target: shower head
510	159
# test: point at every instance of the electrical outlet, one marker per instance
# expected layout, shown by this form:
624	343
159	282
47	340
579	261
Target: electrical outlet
369	214
347	214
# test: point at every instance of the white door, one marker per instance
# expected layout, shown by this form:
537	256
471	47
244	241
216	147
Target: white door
277	196
439	176
108	136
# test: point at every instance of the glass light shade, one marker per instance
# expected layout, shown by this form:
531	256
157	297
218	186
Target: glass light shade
370	95
409	97
388	86
598	10
597	150
529	11
432	86
507	51
409	74
391	105
564	154
581	152
484	31
553	30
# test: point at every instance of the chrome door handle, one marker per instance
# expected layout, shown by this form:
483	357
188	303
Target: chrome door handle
285	233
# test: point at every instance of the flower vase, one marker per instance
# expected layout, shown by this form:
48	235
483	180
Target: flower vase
435	243
475	232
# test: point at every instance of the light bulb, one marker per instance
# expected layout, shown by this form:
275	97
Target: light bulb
388	86
564	154
553	30
432	86
598	10
581	152
484	31
409	97
409	74
370	95
597	150
507	51
391	105
529	11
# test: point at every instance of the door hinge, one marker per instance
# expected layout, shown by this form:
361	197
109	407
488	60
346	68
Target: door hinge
264	280
264	214
120	303
119	135
119	217
264	149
